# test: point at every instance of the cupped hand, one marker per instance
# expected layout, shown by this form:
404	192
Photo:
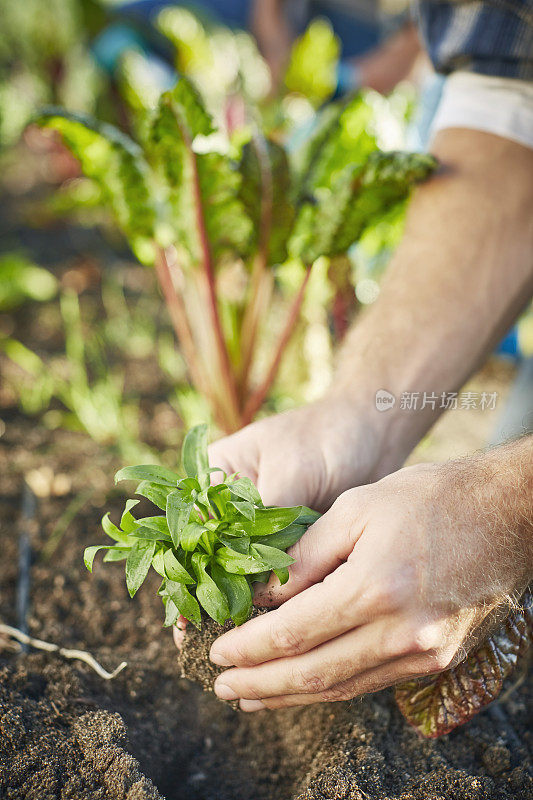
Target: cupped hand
394	582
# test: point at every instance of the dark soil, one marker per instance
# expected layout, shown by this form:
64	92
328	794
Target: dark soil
67	734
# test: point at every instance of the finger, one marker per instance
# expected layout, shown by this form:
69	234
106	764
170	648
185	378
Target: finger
317	615
178	631
323	547
319	669
372	680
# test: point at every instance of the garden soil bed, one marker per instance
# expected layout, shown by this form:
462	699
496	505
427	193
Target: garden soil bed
66	733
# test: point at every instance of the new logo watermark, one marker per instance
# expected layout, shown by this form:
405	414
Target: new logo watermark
384	400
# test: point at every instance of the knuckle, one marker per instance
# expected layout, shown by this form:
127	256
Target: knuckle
308	681
284	638
438	660
337	693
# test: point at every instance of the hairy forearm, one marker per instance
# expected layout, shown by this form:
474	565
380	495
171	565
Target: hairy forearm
458	280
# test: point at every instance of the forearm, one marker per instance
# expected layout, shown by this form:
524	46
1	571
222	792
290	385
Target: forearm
458	280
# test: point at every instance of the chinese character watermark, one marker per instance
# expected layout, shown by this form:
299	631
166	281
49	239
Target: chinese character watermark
449	401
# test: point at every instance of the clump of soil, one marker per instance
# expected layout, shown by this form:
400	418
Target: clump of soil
193	656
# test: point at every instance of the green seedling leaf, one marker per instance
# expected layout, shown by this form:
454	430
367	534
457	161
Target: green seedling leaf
307	516
239	543
138	563
171	612
208	593
285	538
245	508
282	575
274	558
148	472
157	523
150	534
245	489
120	554
157	493
128	523
237	590
239	564
90	552
262	577
191	535
174	570
111	529
194	452
158	562
186	604
271	520
178	514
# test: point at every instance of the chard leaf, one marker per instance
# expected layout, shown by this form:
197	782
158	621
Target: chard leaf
237	590
148	472
114	162
138	563
178	514
194	451
239	564
276	559
207	592
111	529
245	508
191	535
271	520
437	704
246	490
157	493
174	570
186	604
285	538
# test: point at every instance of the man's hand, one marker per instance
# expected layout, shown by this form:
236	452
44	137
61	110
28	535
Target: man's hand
396	581
308	456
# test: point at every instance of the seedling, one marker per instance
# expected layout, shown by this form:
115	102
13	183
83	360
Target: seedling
212	542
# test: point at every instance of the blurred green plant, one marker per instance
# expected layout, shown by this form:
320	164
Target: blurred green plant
21	280
312	70
82	382
216	215
43	58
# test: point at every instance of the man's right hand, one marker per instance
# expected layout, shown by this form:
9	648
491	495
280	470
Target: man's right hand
308	456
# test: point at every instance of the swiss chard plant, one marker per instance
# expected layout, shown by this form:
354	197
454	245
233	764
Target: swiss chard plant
216	211
210	543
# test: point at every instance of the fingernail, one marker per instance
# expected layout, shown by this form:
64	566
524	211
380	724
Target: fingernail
225	692
251	705
219	659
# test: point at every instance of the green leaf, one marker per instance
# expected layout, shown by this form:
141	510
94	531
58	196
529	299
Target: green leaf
245	508
90	552
150	534
178	514
271	520
148	472
239	563
157	493
174	570
245	489
276	559
194	453
120	554
186	604
128	523
307	516
208	593
111	529
157	523
191	535
285	538
114	162
262	577
282	575
171	612
158	562
237	590
138	564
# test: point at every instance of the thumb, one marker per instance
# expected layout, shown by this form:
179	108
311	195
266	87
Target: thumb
324	547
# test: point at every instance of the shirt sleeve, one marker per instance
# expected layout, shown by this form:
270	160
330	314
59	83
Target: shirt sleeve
502	106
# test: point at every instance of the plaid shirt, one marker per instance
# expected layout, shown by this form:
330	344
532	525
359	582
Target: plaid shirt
491	37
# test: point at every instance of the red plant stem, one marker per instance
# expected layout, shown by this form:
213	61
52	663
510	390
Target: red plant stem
256	307
178	317
226	370
256	399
